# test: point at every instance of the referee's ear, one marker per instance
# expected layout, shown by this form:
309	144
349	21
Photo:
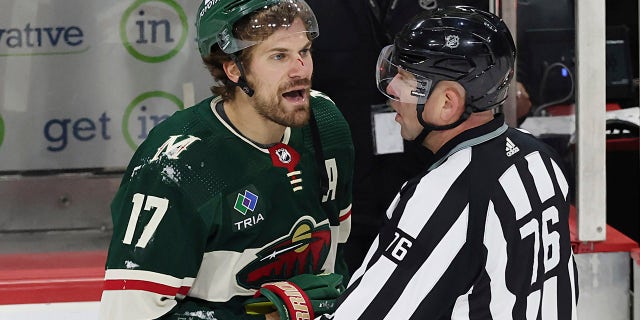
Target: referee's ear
454	98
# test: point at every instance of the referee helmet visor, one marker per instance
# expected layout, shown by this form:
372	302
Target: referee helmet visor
398	83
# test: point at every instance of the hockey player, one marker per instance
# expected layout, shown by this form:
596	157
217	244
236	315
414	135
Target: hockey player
249	187
483	232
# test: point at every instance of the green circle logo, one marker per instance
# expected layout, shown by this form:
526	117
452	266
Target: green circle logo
148	32
1	130
157	99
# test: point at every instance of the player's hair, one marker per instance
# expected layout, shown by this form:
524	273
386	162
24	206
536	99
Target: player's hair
224	86
242	29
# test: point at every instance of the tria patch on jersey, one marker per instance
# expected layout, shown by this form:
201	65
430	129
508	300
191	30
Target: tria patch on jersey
303	250
246	203
248	222
284	156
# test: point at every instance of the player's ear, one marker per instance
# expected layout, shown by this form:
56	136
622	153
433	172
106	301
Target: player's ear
453	102
231	70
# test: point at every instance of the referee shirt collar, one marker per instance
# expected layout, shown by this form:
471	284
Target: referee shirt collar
469	138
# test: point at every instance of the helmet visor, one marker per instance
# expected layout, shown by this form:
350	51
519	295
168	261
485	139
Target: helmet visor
400	84
267	21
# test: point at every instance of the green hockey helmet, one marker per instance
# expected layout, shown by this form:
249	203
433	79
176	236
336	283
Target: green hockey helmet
217	18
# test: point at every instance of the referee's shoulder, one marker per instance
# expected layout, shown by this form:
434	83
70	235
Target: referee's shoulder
529	143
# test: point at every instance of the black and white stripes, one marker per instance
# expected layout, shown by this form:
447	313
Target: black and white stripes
482	236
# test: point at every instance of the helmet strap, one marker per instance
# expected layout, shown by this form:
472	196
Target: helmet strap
427	128
242	82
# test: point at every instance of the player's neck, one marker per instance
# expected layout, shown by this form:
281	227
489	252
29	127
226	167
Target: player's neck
252	125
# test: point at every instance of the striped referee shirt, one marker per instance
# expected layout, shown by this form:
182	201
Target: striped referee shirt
483	234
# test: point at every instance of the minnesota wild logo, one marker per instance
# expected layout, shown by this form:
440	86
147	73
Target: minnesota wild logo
303	250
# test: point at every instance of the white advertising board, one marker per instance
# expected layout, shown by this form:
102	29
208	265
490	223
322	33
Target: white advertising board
83	81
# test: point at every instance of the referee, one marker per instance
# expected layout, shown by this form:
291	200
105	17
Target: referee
483	232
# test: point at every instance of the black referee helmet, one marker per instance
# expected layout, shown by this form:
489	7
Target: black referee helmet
459	43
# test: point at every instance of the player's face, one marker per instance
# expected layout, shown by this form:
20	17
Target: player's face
280	73
405	105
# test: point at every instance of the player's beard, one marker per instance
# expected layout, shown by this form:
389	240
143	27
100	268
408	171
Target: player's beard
271	107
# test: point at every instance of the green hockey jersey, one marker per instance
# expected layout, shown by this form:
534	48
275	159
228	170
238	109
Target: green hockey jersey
204	216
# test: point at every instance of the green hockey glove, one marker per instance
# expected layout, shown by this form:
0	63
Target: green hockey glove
300	297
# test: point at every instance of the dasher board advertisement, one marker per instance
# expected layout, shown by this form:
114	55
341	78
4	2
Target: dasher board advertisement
82	82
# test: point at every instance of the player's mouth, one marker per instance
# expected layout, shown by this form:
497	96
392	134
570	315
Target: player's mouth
296	95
